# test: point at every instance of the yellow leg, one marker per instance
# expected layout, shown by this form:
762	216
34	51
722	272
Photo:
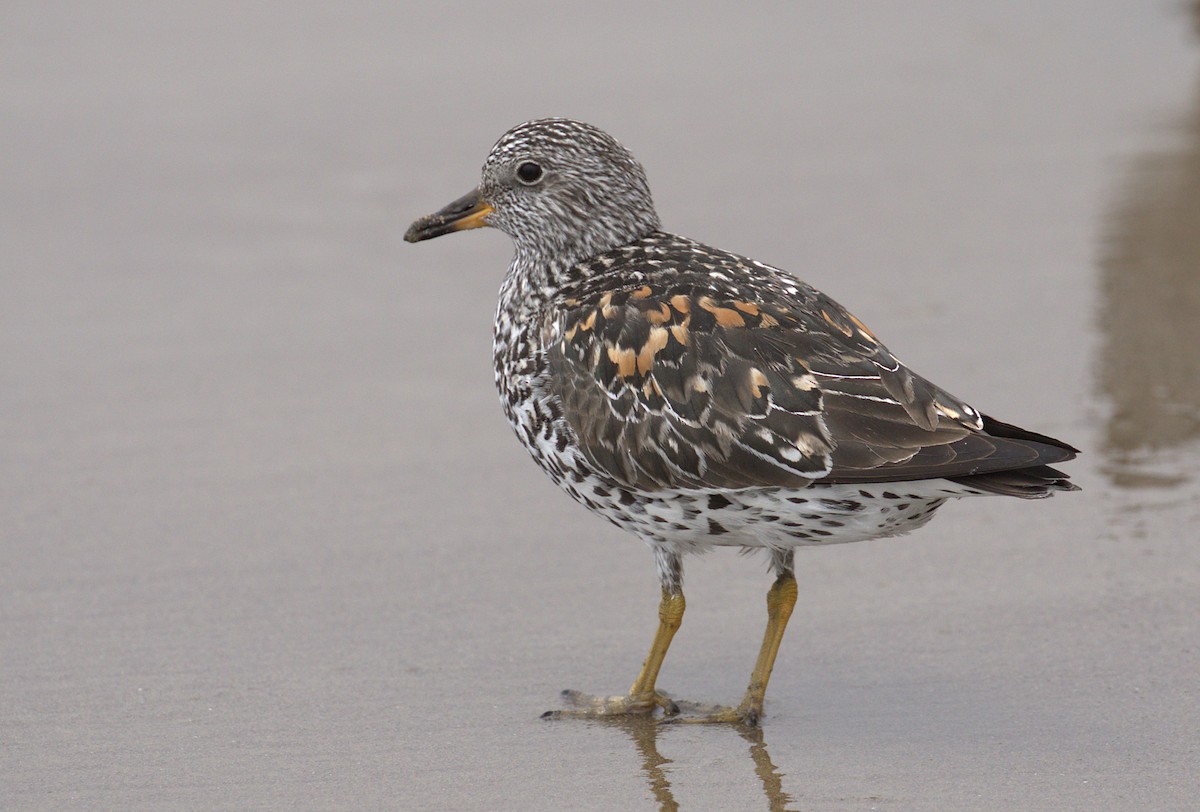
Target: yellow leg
643	697
781	599
670	618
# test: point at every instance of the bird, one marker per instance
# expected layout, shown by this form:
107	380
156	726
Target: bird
697	398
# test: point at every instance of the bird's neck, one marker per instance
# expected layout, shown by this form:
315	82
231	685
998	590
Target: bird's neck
535	277
554	259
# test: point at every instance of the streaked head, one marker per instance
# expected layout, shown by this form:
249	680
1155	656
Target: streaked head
559	188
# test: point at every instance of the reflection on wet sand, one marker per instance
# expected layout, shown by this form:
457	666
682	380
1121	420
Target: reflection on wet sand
645	732
1150	313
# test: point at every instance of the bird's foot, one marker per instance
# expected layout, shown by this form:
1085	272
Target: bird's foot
589	706
747	714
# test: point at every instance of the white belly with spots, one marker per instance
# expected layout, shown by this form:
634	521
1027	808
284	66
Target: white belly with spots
780	519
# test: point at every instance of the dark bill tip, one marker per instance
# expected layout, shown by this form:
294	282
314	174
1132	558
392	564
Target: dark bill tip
467	212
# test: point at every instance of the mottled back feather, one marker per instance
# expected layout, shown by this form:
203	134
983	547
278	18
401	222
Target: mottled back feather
681	366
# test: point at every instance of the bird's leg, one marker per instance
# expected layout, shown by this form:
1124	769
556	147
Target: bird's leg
781	598
670	617
643	697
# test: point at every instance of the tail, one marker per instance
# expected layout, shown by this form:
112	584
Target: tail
1036	479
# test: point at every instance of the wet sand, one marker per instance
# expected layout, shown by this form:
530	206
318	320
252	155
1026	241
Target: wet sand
267	540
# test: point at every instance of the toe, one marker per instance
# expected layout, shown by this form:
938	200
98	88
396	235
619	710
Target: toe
582	704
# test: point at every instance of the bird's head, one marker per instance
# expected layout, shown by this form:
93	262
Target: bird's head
559	188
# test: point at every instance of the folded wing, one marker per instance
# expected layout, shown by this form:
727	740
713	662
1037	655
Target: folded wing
668	385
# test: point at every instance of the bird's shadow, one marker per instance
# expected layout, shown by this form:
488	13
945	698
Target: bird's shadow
645	733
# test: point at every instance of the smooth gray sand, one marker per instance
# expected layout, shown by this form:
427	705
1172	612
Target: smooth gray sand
267	541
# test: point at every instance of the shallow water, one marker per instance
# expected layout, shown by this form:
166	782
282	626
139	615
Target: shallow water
267	540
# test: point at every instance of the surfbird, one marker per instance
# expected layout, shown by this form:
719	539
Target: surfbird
700	399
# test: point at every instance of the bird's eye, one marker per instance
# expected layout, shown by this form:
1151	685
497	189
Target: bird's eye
529	173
